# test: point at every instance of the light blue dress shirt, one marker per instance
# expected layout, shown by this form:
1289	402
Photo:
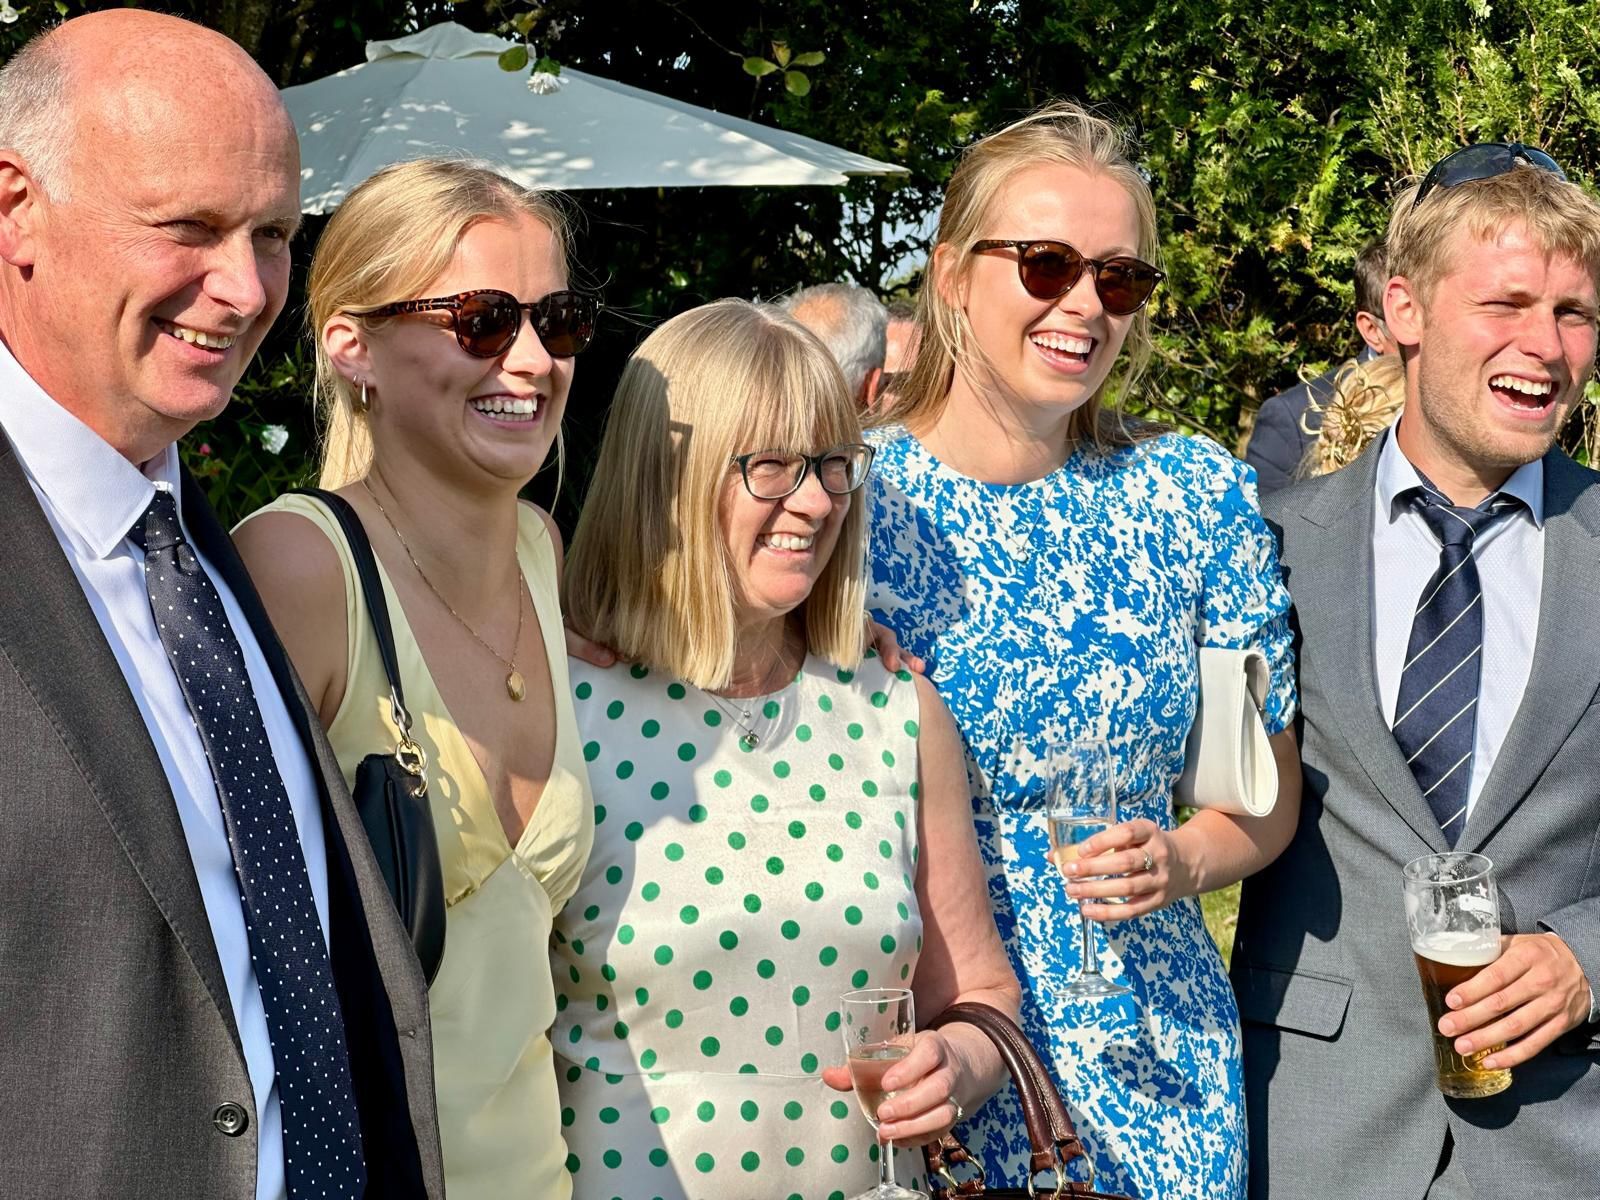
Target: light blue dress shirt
1510	558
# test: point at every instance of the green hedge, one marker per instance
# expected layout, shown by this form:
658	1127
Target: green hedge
1273	131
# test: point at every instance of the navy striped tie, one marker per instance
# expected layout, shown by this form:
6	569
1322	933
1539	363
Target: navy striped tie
1436	715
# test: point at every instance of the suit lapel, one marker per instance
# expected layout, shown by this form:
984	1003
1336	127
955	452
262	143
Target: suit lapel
1332	568
54	642
1566	655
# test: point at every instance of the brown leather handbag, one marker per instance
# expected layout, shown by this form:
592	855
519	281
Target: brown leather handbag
1050	1131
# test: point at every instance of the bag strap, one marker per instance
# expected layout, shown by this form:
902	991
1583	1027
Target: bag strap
1051	1134
411	755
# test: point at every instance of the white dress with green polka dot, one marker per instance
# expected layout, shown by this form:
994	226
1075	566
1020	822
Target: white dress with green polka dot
732	895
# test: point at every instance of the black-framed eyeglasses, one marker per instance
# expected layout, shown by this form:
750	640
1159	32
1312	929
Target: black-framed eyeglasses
1050	269
774	474
1484	160
486	321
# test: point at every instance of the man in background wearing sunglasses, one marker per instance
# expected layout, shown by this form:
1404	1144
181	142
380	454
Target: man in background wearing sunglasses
207	994
1281	437
1444	592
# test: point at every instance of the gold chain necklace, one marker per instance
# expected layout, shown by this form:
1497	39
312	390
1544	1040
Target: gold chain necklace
515	687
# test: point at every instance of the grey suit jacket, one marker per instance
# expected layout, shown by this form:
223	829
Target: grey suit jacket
118	1045
1338	1066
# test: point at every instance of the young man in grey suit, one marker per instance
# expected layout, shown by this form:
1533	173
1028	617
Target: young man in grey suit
1445	592
206	993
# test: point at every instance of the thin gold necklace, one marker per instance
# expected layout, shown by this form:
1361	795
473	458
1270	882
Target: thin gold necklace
515	687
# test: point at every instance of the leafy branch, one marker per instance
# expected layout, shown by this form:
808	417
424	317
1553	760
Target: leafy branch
795	80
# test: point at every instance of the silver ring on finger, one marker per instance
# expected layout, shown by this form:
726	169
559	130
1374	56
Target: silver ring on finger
960	1112
1149	863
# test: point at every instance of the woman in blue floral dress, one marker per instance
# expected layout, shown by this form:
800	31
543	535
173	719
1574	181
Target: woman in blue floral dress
1058	569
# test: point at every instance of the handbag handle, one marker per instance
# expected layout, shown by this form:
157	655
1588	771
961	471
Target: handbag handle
1051	1134
408	753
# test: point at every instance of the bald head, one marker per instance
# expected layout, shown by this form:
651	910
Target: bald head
149	187
850	321
127	45
127	70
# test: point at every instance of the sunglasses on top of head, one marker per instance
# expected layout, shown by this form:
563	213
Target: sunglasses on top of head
486	321
1483	161
1050	269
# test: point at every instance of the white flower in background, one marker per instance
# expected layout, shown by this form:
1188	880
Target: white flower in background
274	438
8	15
555	29
542	83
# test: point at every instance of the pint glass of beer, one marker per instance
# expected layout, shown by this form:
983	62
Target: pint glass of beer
1453	912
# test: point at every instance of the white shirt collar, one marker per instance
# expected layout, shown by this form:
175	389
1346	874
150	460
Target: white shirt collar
96	493
1396	475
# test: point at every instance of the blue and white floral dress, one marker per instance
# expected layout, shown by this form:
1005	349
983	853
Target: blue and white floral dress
1072	607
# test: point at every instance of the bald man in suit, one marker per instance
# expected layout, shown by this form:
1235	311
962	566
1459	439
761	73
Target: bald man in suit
184	1019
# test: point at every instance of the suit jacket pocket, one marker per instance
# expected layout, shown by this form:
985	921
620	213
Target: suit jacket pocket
1298	1001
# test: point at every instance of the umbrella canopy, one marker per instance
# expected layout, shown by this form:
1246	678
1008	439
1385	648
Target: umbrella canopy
441	91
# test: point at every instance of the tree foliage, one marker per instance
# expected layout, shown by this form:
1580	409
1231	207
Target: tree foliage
1274	132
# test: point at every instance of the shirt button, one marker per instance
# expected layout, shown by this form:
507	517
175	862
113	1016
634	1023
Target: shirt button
232	1119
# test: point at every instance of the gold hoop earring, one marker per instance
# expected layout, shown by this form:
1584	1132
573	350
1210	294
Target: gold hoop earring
362	403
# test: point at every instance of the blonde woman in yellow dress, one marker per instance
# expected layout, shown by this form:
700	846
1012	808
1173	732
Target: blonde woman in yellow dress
446	329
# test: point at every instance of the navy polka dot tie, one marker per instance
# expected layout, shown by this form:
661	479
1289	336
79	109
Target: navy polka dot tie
321	1127
1436	713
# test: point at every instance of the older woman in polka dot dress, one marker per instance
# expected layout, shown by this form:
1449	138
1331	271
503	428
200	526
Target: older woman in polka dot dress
778	818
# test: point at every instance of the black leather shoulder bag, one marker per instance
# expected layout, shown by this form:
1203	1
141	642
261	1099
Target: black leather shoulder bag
391	791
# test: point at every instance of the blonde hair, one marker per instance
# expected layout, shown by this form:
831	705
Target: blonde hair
1367	397
1064	133
394	234
1560	216
648	572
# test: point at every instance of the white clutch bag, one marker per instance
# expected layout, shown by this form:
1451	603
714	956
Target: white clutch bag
1228	760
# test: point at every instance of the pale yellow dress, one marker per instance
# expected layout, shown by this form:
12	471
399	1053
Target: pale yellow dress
493	1001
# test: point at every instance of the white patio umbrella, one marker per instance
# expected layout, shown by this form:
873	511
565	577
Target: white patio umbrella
441	91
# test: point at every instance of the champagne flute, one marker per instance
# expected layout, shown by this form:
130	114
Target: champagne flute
1081	801
877	1024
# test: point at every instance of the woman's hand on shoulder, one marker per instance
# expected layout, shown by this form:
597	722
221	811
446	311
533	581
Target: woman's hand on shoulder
593	653
926	1083
298	576
882	640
